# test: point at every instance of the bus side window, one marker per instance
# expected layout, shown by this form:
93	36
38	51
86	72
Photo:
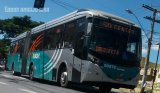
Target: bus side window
12	46
36	41
69	34
17	47
79	38
53	38
21	46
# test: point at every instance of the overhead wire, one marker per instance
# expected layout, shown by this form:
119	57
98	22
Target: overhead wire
61	5
140	11
65	5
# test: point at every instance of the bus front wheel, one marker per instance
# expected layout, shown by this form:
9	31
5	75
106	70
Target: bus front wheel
104	89
63	78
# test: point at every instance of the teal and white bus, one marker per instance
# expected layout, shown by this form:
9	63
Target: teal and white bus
86	46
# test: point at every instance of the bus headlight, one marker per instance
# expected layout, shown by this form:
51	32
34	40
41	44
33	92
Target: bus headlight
94	60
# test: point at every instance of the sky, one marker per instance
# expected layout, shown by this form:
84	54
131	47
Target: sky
53	9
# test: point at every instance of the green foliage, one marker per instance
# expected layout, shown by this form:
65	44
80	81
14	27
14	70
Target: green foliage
11	28
156	85
16	25
4	46
148	91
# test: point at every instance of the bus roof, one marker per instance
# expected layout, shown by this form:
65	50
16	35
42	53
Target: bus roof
72	16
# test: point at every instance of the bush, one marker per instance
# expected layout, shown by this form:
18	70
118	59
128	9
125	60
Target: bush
149	91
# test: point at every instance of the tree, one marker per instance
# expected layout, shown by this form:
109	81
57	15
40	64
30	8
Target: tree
4	48
11	28
16	25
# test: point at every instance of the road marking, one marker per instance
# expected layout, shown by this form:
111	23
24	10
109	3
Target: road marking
29	91
7	76
3	83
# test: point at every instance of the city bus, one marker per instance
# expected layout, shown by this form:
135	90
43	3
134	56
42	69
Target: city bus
84	47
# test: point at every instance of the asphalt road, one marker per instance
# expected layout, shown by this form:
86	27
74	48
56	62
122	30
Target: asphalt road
16	84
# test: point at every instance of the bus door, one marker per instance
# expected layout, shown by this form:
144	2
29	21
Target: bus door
78	50
77	60
52	46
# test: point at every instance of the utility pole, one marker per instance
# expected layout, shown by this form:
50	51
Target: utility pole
149	44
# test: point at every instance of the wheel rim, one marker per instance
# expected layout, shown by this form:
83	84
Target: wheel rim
31	75
63	78
12	69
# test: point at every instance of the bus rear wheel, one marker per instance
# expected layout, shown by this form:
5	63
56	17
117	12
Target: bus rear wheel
104	89
63	78
31	73
13	72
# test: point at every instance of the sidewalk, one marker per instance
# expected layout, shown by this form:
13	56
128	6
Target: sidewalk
2	67
137	90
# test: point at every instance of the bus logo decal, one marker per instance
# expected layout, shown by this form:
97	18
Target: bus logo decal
36	55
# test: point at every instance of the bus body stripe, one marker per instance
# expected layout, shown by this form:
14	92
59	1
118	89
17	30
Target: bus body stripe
52	61
56	60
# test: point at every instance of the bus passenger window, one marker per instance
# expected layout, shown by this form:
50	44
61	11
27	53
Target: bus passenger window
12	46
36	42
69	34
81	24
17	47
53	38
79	38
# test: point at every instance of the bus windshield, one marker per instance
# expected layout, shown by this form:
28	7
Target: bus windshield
116	43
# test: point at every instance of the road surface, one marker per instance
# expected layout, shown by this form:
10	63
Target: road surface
16	84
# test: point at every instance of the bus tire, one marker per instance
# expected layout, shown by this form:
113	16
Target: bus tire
63	78
104	89
13	72
31	72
